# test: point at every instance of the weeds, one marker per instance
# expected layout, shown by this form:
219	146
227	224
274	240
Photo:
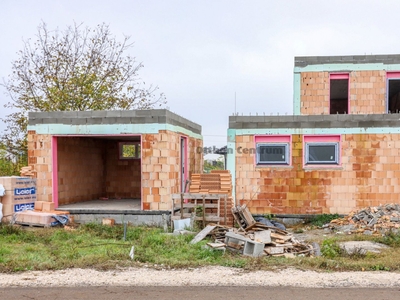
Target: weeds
330	248
102	247
320	220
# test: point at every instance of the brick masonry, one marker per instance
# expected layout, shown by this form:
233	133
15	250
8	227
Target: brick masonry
81	169
367	92
161	167
368	176
89	168
40	158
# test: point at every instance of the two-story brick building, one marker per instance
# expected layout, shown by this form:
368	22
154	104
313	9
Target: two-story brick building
339	151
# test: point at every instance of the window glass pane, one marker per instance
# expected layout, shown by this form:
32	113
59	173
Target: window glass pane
322	153
128	151
272	154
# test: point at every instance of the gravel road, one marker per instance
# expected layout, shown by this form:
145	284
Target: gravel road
206	276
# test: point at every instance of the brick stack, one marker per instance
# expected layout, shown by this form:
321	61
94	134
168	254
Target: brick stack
20	194
28	172
216	182
42	215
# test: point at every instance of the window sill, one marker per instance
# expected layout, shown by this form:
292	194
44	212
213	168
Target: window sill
273	167
322	167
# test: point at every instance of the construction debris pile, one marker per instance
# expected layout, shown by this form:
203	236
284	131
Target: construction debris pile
376	219
253	238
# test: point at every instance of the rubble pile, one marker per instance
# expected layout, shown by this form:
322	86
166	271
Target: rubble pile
253	238
376	219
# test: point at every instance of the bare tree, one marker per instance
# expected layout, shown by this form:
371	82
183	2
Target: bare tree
72	70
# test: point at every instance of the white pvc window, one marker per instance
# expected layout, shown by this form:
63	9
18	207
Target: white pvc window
272	154
322	153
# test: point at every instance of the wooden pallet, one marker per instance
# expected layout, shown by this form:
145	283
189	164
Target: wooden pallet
184	205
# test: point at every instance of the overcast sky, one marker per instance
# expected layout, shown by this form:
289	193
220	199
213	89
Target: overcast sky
201	53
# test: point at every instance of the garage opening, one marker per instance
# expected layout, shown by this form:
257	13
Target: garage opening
339	93
98	172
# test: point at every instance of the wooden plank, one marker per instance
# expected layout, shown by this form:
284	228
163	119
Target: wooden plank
182	206
209	218
204	211
193	205
202	234
197	196
216	245
280	236
225	203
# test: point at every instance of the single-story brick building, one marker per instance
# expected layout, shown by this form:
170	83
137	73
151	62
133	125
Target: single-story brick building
137	154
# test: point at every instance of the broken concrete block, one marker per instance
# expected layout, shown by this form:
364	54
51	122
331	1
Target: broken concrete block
253	249
263	236
274	250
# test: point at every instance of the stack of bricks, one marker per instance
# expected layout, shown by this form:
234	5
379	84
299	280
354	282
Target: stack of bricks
42	215
216	182
28	172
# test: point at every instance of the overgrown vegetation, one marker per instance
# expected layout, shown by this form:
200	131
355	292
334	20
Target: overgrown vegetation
320	220
11	165
103	247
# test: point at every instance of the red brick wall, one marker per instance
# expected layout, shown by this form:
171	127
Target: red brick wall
90	168
161	167
367	92
122	177
81	169
369	176
40	158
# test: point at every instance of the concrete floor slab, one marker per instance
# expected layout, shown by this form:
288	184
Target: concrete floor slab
117	205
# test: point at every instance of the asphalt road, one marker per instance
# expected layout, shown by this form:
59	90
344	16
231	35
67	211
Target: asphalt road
206	292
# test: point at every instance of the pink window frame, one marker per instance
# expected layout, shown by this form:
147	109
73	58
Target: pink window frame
273	138
390	75
185	162
332	138
338	76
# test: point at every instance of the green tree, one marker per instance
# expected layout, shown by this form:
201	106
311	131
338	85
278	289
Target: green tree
72	70
10	166
217	164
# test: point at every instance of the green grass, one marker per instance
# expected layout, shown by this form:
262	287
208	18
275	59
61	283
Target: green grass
103	248
320	220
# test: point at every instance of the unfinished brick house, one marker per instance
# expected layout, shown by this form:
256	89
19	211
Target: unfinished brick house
338	152
142	156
